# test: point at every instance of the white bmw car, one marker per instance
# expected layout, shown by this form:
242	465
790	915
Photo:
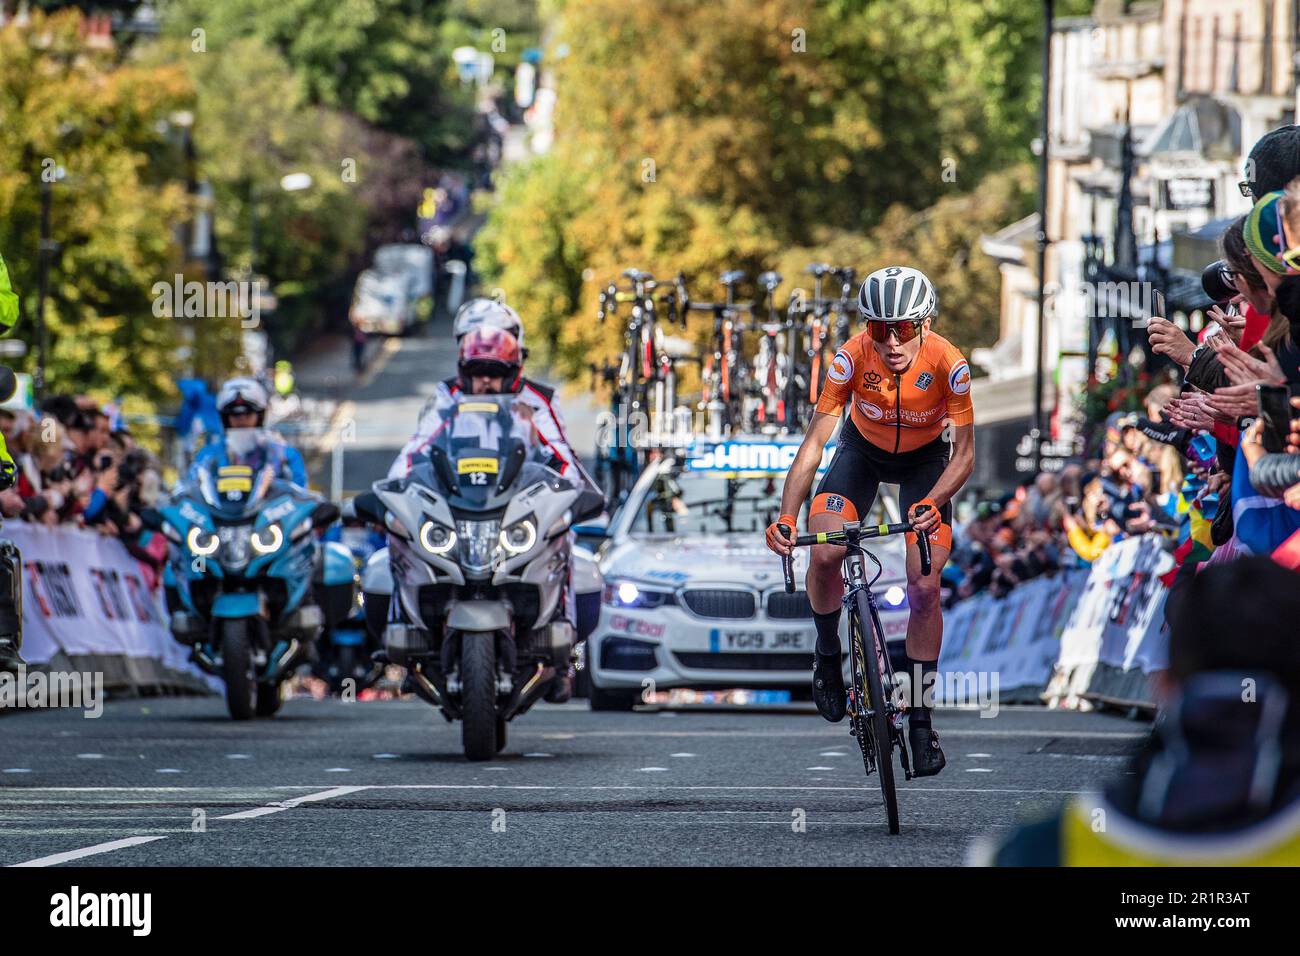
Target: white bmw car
691	595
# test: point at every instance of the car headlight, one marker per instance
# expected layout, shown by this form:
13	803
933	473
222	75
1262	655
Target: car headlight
268	540
437	539
201	543
631	594
519	537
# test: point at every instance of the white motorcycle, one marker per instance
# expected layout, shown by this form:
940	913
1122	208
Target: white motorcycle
479	553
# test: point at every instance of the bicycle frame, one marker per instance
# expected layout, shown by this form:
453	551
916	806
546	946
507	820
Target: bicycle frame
875	713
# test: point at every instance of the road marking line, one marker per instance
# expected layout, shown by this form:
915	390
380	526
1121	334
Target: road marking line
57	858
944	731
289	804
872	788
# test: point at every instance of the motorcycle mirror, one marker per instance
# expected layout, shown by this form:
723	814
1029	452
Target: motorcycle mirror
590	504
365	506
442	468
151	518
326	513
514	461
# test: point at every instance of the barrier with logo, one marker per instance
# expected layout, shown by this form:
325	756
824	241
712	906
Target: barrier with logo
1117	636
1014	639
88	608
1093	635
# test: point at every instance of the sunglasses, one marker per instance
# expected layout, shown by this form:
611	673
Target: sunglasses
485	370
905	331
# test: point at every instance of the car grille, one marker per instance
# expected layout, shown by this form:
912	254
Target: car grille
745	662
789	607
719	603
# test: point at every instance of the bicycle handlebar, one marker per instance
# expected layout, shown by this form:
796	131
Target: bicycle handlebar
852	533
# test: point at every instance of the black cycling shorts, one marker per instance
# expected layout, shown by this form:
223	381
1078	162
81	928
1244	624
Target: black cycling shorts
858	467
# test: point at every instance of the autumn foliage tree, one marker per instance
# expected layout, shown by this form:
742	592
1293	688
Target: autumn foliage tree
758	133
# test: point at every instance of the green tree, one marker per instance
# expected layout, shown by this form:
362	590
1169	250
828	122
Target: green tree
66	107
382	60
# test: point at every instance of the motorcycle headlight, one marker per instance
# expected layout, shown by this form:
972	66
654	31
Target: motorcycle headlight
202	543
268	540
519	537
437	539
479	544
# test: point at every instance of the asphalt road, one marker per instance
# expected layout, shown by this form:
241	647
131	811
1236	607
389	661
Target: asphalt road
385	783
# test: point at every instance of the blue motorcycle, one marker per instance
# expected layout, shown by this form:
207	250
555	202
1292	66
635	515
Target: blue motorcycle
240	577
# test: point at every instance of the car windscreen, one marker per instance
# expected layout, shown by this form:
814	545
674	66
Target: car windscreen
686	502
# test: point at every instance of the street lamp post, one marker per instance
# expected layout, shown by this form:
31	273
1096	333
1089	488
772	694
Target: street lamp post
1042	232
46	248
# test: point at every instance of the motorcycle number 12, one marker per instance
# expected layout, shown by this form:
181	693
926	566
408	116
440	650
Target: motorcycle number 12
478	478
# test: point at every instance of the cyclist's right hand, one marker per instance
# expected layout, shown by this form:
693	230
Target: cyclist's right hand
781	534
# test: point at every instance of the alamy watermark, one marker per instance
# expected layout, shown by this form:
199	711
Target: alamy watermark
976	690
46	689
209	300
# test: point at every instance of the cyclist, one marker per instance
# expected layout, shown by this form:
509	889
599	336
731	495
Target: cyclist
911	422
242	404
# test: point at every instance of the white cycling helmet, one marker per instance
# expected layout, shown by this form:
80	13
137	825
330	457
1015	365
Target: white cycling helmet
488	312
897	294
242	395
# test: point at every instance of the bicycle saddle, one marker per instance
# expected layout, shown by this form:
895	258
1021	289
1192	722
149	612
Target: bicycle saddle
731	277
818	268
770	280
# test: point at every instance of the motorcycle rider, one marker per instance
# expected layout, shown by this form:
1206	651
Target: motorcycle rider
491	363
242	404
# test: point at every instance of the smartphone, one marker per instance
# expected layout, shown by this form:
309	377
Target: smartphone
1203	451
1158	304
1275	410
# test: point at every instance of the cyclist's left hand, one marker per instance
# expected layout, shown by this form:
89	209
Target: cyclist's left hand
926	522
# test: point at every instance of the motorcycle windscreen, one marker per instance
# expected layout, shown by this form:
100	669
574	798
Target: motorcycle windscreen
235	482
487	440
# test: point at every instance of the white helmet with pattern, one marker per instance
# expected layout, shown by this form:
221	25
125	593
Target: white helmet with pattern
898	294
481	312
240	396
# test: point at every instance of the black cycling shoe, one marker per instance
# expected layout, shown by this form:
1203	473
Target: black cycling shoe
927	755
10	660
828	686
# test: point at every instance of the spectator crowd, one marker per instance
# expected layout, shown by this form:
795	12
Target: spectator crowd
1204	464
77	464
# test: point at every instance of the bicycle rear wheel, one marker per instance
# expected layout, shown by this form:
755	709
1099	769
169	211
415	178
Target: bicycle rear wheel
871	714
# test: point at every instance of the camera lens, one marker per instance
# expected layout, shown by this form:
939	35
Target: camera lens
1217	282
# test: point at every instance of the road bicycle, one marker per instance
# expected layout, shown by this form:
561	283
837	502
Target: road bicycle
722	373
876	704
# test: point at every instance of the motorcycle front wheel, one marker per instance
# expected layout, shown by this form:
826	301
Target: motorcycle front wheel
478	683
237	669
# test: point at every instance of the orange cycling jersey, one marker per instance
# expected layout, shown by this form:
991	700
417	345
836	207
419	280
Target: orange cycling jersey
933	393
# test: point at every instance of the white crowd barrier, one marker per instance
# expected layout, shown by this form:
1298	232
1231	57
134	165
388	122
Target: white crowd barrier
1081	637
1117	635
1016	637
87	607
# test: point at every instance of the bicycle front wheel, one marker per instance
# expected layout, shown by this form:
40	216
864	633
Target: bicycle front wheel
873	713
